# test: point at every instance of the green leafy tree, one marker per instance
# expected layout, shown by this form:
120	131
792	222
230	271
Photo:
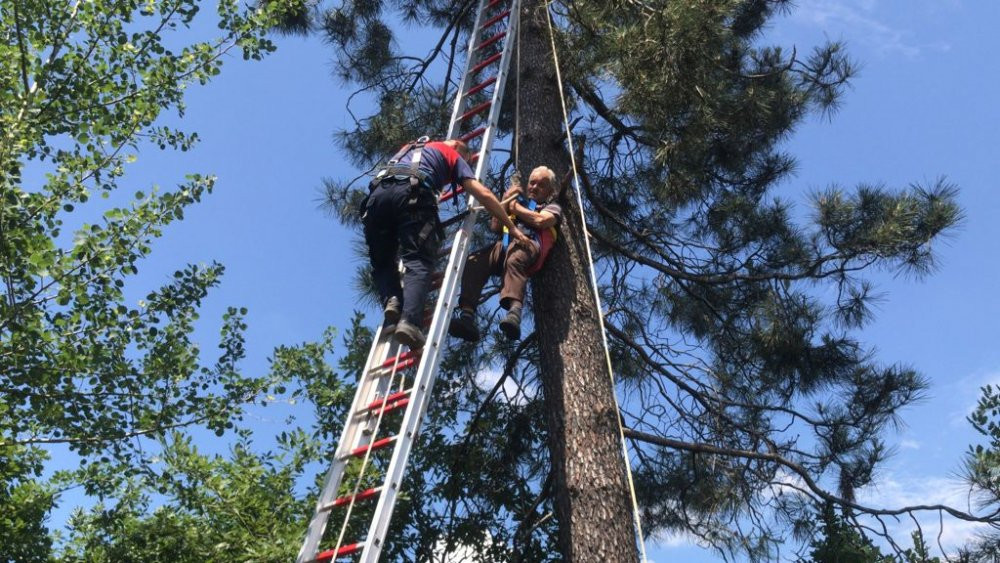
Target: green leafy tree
248	506
837	541
26	501
982	471
244	508
84	84
920	552
732	317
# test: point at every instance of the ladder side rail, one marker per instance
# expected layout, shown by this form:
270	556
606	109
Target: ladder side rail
385	382
331	483
433	350
422	389
470	57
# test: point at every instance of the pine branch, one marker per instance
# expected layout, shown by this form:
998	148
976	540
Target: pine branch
803	473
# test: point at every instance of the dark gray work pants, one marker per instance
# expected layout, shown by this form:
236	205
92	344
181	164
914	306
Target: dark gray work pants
401	223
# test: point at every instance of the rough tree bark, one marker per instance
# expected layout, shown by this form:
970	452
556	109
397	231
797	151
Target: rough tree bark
590	489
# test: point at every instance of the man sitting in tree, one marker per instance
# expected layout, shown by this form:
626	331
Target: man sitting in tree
537	214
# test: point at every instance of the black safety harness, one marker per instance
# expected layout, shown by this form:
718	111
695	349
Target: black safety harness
412	172
418	179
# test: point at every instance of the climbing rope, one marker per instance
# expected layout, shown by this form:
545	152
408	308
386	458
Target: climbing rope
593	281
517	102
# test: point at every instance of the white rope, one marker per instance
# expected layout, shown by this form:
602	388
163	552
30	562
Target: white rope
593	282
517	99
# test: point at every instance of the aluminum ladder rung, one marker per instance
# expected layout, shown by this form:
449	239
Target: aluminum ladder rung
495	19
376	445
329	554
481	86
379	407
363	495
374	405
491	40
446	251
437	278
475	110
402	357
403	364
472	134
485	63
450	194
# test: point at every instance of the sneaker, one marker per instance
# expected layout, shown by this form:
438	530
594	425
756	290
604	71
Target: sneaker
393	307
510	326
464	326
409	335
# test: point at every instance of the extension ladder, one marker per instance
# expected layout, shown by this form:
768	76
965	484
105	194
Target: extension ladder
359	474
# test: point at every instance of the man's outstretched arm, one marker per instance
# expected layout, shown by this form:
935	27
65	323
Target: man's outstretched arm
490	202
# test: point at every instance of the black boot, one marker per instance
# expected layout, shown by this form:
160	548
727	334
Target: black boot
510	326
409	335
464	326
390	316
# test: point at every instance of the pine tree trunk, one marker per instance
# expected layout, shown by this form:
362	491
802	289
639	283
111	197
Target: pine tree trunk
590	490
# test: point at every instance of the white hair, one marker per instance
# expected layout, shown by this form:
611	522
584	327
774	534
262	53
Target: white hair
549	175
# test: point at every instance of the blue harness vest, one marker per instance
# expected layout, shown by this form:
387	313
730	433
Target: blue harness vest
531	205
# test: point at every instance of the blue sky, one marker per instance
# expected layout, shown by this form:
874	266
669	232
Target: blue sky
923	106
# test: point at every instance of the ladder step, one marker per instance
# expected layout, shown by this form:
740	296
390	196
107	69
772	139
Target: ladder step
403	364
395	406
404	356
393	397
495	19
481	86
491	40
376	445
475	110
363	495
329	554
486	62
493	4
472	134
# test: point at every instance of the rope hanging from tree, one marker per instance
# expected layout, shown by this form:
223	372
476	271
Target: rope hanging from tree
593	281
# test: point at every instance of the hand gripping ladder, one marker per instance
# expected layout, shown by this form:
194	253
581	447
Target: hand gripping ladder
359	475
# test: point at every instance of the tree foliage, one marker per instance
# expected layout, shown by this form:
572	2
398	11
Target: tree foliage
249	505
982	472
91	361
836	540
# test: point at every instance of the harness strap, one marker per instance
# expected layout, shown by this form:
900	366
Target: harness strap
393	169
531	205
415	180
